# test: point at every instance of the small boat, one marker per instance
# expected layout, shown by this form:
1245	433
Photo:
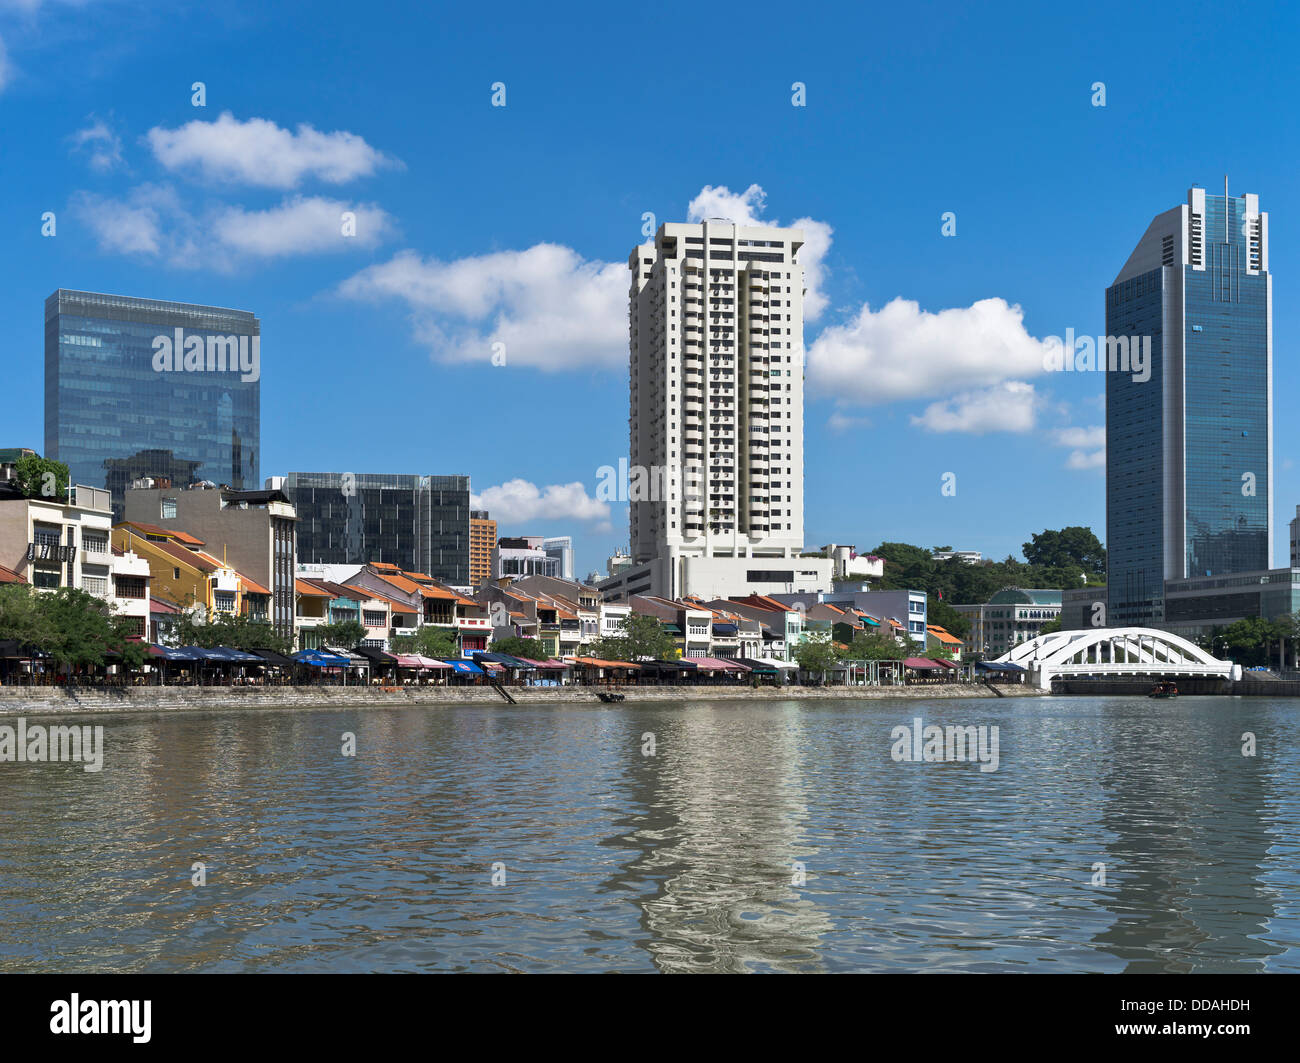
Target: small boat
1164	690
608	696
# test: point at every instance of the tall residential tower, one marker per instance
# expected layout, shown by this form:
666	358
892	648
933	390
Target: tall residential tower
716	413
1189	451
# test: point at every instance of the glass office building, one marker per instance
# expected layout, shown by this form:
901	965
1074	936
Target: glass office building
419	523
1189	449
143	387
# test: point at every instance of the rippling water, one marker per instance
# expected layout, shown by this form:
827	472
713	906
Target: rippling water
681	861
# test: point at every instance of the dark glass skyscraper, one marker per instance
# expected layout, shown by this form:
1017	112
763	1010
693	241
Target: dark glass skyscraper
419	523
1189	451
142	387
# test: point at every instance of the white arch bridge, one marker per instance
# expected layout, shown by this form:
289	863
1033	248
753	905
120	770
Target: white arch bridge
1115	652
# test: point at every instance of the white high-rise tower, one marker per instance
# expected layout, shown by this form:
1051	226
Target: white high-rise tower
716	415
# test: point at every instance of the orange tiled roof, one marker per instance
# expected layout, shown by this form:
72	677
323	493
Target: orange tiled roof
400	582
392	603
303	587
943	634
8	575
385	566
252	586
154	529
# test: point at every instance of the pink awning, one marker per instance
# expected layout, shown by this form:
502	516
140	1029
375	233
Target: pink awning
716	664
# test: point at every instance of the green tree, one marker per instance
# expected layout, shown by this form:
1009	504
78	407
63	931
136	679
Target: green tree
22	617
41	477
234	632
640	637
874	646
1073	547
345	634
818	654
1051	627
82	630
519	647
943	615
430	641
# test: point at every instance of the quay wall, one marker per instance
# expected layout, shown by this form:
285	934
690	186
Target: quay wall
16	701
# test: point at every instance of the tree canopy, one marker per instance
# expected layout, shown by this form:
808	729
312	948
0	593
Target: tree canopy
639	637
41	477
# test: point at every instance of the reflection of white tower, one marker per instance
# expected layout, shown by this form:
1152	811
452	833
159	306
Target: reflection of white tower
730	903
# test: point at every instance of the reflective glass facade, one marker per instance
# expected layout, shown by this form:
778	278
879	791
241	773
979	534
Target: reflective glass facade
419	523
112	417
1188	459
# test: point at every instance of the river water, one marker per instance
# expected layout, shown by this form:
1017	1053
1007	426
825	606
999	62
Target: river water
692	836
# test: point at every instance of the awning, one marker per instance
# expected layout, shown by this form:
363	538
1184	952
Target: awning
757	667
998	666
548	665
277	660
596	662
716	664
464	667
418	661
376	656
172	653
320	659
504	659
920	663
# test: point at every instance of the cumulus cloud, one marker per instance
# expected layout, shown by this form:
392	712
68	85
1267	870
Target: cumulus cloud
1088	443
1011	406
839	422
259	152
550	308
151	221
903	352
104	146
300	226
519	501
746	208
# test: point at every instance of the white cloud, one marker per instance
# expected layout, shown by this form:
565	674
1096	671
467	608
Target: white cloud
6	68
1093	435
1080	459
839	422
259	152
299	226
105	146
746	208
551	308
151	221
903	352
1011	406
1088	445
519	501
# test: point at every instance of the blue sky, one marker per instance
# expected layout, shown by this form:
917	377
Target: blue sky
479	225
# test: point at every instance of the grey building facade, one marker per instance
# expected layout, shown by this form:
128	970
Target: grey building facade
419	523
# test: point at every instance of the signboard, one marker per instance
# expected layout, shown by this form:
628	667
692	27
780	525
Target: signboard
50	552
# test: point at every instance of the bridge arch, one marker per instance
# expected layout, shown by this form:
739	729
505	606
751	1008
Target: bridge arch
1115	652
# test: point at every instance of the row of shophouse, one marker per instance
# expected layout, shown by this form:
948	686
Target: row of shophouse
219	552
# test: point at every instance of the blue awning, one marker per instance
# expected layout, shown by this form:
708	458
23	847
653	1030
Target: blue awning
320	659
998	666
464	667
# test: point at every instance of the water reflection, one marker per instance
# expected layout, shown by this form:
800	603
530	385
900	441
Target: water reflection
530	838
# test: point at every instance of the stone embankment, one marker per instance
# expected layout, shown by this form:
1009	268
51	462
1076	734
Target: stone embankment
16	701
